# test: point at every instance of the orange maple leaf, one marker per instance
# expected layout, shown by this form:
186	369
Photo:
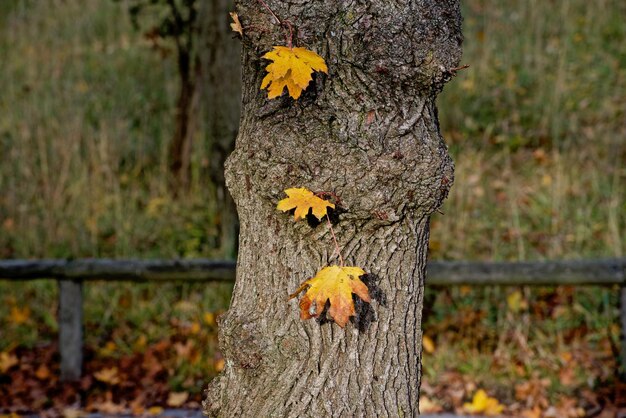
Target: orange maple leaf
335	284
291	68
303	200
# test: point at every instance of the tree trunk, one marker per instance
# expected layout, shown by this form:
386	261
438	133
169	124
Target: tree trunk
367	132
220	97
180	146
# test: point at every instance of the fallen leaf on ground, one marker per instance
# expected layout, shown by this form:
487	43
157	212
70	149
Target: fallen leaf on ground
19	316
42	372
483	404
291	68
303	200
7	361
209	318
176	399
155	410
109	376
336	285
516	302
428	406
72	413
109	407
532	413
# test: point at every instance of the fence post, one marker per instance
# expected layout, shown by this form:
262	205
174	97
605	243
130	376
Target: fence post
71	328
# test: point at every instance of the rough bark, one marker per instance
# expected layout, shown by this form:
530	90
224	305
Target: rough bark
369	133
220	98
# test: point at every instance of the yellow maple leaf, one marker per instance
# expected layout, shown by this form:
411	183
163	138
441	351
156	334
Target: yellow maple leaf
483	404
291	68
336	285
236	25
303	200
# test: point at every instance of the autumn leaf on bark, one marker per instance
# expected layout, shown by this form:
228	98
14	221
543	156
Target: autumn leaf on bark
303	200
336	285
291	68
236	25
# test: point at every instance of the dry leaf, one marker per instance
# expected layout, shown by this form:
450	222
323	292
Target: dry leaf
109	376
108	349
428	344
7	361
532	413
483	404
155	410
236	25
335	284
19	316
302	200
72	413
176	399
515	301
109	407
428	406
291	68
42	373
195	328
209	319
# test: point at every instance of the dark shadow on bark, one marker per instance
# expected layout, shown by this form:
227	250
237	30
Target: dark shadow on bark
333	215
365	314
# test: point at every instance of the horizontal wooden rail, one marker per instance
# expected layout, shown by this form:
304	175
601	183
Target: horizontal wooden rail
127	270
439	273
72	273
531	273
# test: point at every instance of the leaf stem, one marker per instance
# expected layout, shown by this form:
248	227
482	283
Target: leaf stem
283	23
337	250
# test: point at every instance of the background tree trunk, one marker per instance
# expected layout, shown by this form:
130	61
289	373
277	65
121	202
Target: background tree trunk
183	27
369	133
181	143
220	99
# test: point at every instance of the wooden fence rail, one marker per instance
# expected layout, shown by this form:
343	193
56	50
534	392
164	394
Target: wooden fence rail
72	273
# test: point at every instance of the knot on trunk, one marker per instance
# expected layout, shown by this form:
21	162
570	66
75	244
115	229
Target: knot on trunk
240	344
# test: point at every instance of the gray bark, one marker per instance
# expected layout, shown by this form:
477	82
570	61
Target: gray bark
71	329
369	133
220	98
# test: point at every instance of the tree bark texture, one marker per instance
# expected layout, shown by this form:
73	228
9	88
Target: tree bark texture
368	132
220	99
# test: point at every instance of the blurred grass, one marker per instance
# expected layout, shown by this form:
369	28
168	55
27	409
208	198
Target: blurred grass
85	117
537	129
536	125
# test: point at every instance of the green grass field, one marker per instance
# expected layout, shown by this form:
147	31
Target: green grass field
536	125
